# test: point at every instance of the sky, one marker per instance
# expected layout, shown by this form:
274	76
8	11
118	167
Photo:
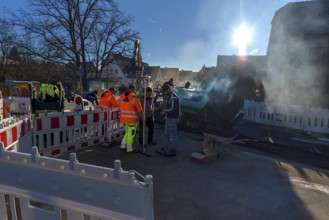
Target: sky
188	34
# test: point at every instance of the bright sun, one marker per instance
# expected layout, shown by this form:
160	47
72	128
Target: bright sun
242	36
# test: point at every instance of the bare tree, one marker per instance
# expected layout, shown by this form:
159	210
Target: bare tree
70	31
112	36
7	37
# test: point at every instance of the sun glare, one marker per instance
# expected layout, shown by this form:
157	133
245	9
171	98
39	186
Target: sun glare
242	36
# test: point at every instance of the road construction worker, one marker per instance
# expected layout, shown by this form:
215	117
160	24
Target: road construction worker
52	93
172	115
130	111
139	93
43	91
92	97
149	119
108	100
6	109
170	82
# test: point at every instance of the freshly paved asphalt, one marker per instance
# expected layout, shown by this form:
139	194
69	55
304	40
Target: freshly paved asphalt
244	183
308	148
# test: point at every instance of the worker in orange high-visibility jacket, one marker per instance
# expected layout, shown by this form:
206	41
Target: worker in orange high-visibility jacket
108	100
6	109
130	111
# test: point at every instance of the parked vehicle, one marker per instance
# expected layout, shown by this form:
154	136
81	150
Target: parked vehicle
82	104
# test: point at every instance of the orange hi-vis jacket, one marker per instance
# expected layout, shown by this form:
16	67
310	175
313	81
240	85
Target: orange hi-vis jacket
6	109
107	100
129	108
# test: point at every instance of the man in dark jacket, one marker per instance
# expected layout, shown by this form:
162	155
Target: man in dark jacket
92	97
170	82
172	114
149	120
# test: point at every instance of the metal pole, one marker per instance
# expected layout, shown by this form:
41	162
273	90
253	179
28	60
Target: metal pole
144	111
81	85
144	78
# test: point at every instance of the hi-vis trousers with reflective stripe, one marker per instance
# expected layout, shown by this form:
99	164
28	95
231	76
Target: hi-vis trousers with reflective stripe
130	132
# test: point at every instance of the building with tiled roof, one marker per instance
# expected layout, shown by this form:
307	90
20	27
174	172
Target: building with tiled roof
154	72
186	76
226	62
170	72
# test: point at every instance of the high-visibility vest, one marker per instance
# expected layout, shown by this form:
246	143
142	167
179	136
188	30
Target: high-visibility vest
107	100
52	90
140	93
43	91
6	109
129	108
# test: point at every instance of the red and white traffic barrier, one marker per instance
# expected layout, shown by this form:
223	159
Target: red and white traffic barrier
57	133
15	133
115	128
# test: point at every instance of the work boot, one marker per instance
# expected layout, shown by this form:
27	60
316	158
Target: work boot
163	150
129	149
172	153
122	147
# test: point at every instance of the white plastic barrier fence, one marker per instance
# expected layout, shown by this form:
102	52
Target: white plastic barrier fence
289	116
115	128
15	134
34	187
56	133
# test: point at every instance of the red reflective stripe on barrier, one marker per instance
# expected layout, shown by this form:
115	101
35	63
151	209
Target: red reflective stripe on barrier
3	138
96	141
84	119
54	123
114	115
54	152
84	144
70	120
22	130
39	124
96	117
14	134
71	148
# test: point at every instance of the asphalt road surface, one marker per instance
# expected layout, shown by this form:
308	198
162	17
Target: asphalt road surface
244	183
306	148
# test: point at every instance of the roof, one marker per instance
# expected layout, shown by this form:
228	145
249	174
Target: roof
152	71
228	61
309	17
185	74
168	73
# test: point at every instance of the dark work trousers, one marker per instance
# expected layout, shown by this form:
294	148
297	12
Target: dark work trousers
150	126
